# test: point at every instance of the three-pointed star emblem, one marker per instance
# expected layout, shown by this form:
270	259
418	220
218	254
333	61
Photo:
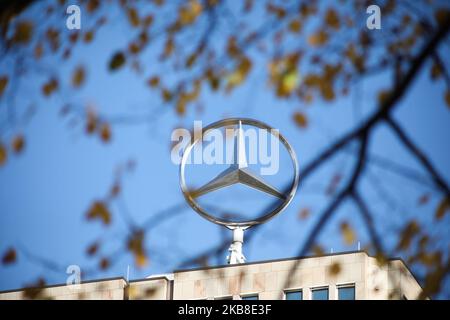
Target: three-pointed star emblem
238	172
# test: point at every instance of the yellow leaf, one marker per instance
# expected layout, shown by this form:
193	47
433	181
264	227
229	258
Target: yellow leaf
442	208
239	75
347	233
3	154
300	119
136	247
3	84
98	210
289	82
78	77
188	14
18	143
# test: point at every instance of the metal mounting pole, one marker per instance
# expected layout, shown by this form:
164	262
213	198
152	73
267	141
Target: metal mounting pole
236	256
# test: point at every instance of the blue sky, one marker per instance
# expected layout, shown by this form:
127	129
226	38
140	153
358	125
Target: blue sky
45	192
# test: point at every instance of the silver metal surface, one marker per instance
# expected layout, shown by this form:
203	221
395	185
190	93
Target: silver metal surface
239	172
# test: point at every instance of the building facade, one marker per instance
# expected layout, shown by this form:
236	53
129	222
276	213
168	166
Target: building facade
351	275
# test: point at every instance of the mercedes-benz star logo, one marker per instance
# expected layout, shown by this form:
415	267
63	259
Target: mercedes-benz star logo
239	172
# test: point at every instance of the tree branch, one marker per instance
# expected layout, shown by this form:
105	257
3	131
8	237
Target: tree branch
409	144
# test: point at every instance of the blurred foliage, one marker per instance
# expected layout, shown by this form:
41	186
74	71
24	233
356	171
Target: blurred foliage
311	50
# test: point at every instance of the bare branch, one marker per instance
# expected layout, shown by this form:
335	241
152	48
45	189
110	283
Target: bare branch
420	155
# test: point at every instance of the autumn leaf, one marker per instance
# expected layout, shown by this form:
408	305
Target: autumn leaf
99	210
318	39
442	15
304	214
189	13
300	119
91	122
347	233
105	132
3	84
104	264
447	98
408	233
332	19
153	82
295	26
442	208
9	257
169	47
133	17
136	247
18	143
115	190
88	36
289	82
92	249
23	32
383	96
424	199
435	71
34	290
50	86
3	154
317	250
117	61
78	77
239	74
334	269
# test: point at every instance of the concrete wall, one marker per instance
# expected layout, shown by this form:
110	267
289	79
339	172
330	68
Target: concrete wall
270	279
100	290
266	279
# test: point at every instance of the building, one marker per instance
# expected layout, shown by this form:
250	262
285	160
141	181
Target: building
350	275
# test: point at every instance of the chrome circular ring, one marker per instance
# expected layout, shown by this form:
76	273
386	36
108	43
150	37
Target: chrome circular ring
289	194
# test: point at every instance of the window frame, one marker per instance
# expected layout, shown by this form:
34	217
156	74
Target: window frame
316	288
293	290
345	285
246	295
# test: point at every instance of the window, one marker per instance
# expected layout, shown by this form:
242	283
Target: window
346	292
250	297
294	295
320	294
224	298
